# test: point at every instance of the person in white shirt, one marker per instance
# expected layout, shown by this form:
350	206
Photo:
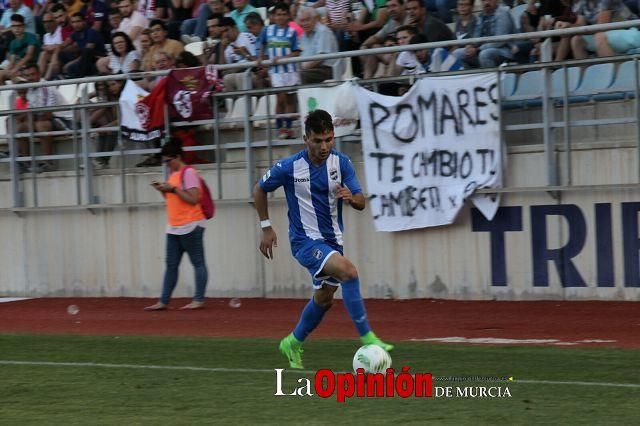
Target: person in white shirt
52	40
238	47
133	22
42	121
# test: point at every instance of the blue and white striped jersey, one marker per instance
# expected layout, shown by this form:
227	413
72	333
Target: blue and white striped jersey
279	42
314	212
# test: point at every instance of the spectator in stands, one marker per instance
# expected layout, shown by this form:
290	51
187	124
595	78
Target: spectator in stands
161	42
238	48
387	60
162	61
145	49
123	58
255	25
195	29
213	49
17	7
423	61
39	8
371	19
241	9
62	20
23	49
492	21
339	16
280	41
52	40
113	22
397	18
187	60
185	229
585	12
95	14
43	121
105	116
530	21
433	28
607	43
316	39
540	15
133	22
81	50
441	8
465	22
404	34
153	9
179	12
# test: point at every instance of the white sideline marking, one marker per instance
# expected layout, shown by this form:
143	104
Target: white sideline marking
13	299
265	370
502	341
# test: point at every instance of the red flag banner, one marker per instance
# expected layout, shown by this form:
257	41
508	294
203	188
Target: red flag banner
188	92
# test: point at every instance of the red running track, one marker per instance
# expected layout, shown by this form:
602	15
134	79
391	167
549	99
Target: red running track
570	323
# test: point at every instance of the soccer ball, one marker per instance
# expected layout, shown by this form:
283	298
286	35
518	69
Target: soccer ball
372	358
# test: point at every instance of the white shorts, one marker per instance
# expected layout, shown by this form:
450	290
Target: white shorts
282	79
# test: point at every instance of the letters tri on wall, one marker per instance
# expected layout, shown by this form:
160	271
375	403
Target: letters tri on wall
509	219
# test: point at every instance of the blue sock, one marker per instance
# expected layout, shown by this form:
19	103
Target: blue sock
278	123
311	316
355	305
288	122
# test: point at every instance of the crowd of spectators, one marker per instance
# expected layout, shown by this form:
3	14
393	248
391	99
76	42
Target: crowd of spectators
78	38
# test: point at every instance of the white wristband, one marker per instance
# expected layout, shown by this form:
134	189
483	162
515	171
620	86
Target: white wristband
265	223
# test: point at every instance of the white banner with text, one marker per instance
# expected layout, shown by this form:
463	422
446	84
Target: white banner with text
429	150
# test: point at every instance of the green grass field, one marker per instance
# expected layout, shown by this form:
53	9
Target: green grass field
100	395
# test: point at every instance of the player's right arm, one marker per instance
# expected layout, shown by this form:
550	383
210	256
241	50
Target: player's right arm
269	237
272	180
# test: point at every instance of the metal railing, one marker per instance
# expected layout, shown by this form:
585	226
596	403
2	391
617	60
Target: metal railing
81	130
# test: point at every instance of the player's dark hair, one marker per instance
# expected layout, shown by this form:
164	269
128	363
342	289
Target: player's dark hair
173	148
318	121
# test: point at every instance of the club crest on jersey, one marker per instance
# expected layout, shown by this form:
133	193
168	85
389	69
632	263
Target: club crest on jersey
333	174
317	253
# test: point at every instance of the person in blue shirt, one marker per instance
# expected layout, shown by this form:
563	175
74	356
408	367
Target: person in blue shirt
317	182
80	51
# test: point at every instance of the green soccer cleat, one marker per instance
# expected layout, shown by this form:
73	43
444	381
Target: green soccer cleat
371	339
291	348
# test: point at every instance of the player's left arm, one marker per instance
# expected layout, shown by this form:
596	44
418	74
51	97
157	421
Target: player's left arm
350	190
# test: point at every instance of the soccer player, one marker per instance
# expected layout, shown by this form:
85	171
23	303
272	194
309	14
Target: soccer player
317	182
